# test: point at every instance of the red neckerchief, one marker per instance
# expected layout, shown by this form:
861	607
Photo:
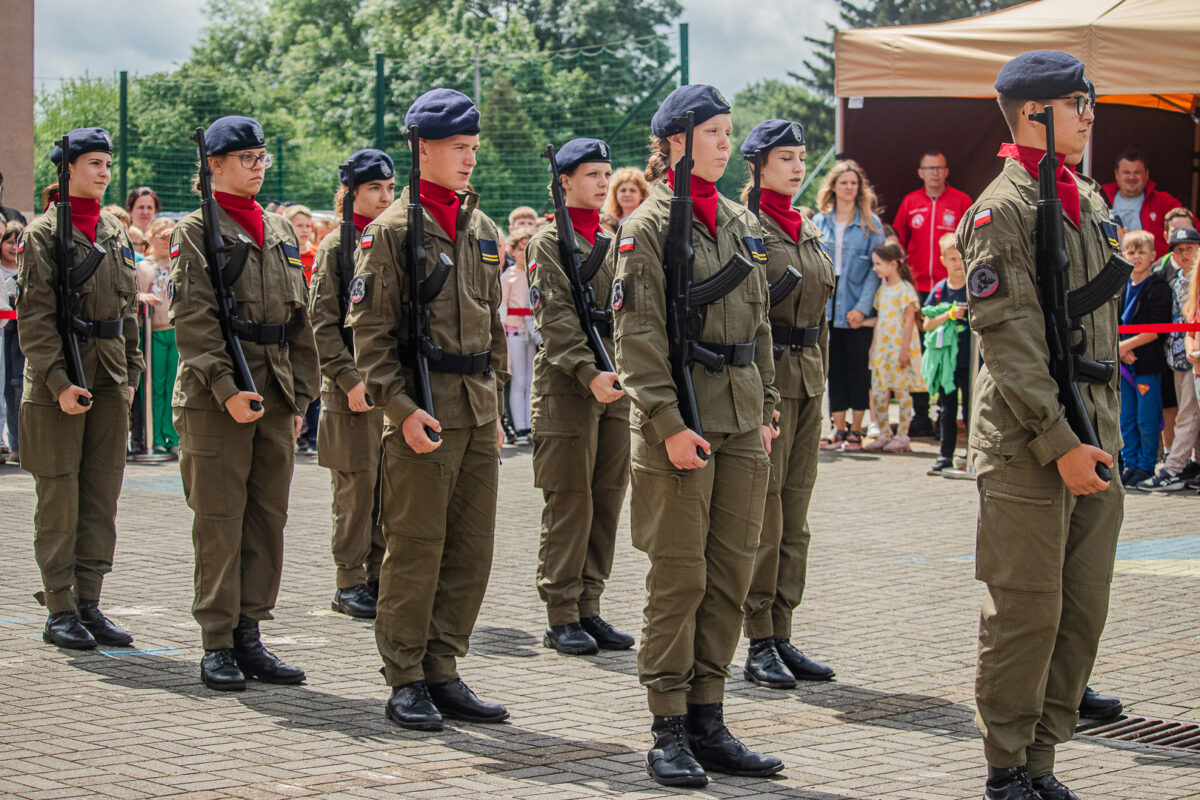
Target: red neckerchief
85	215
442	204
704	200
245	212
779	208
586	222
1068	189
361	222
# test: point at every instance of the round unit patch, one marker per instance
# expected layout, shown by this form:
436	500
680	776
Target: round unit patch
983	281
618	294
535	298
358	289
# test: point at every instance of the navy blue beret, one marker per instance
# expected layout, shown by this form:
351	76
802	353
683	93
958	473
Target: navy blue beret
442	113
83	140
1042	75
233	133
368	165
582	151
701	99
773	133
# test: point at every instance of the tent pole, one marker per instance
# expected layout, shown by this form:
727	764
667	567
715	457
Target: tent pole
1087	158
837	125
1196	167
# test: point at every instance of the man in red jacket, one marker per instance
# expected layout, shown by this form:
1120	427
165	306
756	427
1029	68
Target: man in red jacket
1138	204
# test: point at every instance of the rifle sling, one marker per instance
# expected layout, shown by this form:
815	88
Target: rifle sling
780	289
87	268
589	268
236	263
721	283
1100	289
433	283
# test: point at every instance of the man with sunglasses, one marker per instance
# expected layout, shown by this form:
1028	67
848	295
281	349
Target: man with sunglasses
1048	524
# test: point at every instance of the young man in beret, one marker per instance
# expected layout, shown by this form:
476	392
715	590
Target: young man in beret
1048	524
438	497
74	437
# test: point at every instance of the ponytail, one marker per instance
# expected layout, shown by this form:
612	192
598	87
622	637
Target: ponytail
338	197
660	159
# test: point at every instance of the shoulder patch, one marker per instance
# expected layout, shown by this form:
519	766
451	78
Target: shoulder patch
127	257
535	298
1110	233
982	217
292	253
983	281
758	250
170	291
618	294
175	250
625	245
21	245
532	266
488	252
358	289
367	240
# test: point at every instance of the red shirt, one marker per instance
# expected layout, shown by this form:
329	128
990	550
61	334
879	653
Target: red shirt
1155	205
920	221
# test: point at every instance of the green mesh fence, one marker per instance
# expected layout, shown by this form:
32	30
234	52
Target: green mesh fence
526	101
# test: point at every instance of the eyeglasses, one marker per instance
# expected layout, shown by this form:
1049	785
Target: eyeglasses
1083	103
250	161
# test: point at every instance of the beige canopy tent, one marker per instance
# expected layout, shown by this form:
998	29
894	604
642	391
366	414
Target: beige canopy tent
1143	55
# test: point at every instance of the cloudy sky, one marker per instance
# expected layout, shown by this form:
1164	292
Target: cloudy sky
765	39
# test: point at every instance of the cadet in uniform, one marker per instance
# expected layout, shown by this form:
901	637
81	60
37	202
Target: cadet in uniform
236	462
580	420
438	506
800	334
348	436
697	520
1047	523
76	452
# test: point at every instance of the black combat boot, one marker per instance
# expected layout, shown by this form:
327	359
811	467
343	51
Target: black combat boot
355	602
1009	783
570	639
411	707
219	671
454	699
670	761
257	661
64	630
1049	787
763	667
1100	707
607	637
801	666
101	627
716	748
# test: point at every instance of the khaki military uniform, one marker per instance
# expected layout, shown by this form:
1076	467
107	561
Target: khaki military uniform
580	445
781	563
699	527
1045	554
77	460
237	476
348	442
438	509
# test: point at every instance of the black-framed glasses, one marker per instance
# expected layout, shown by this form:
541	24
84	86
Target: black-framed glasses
1083	103
250	160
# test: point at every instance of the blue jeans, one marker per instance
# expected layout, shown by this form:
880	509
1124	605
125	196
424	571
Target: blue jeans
12	371
1141	421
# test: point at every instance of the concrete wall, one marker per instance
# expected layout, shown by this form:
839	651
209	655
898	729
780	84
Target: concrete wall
16	104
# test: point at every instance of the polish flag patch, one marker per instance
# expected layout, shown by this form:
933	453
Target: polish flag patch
532	267
625	245
21	246
367	241
174	251
982	218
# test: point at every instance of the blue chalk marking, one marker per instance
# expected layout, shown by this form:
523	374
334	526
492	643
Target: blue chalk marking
140	652
1175	548
20	619
158	484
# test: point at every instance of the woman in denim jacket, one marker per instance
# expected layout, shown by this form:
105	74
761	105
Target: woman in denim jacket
850	230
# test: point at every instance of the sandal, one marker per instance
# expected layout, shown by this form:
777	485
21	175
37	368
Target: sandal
853	441
834	440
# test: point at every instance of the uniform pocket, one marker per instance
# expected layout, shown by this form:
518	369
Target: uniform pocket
51	441
349	442
1019	545
667	514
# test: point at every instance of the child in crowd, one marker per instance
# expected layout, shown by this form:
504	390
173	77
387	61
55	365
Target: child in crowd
946	366
1146	300
895	353
518	326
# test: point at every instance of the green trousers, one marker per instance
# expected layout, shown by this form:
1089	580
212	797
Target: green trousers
1047	559
166	365
700	529
438	512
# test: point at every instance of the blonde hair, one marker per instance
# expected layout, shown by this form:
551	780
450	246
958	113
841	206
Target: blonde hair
621	177
1138	241
291	212
120	213
948	241
660	159
339	197
158	225
867	202
521	212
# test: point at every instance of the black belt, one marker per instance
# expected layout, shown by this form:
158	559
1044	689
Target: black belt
784	336
260	332
99	328
738	354
456	363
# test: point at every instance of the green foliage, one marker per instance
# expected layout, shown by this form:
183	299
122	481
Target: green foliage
77	103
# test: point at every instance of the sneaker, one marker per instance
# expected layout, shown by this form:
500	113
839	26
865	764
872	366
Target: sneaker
942	463
873	428
1164	481
1136	476
898	444
878	443
853	441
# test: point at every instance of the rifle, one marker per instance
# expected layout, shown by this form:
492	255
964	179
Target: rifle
685	298
752	200
223	272
579	275
421	288
345	254
68	278
1063	307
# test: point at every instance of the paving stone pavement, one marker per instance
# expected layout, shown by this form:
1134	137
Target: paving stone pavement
891	604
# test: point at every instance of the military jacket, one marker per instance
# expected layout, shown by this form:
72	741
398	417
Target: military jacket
270	289
338	372
110	293
734	400
1016	400
800	372
464	316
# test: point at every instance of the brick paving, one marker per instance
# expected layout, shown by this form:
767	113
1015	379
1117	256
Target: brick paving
891	604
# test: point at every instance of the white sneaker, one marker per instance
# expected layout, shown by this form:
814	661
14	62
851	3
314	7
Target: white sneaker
873	429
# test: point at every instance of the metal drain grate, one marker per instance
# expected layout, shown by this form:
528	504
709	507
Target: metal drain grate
1171	733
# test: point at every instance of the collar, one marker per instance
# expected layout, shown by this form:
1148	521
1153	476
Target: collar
361	222
704	200
247	213
85	215
586	222
779	208
1068	188
442	204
